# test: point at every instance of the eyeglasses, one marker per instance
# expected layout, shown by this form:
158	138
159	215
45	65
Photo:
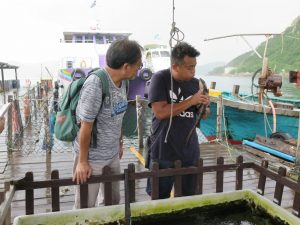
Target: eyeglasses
141	66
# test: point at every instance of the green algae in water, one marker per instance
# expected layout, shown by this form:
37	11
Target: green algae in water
235	213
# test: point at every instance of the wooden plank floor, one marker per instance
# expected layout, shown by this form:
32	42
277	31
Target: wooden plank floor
42	165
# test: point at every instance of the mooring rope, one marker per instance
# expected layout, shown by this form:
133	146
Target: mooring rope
174	32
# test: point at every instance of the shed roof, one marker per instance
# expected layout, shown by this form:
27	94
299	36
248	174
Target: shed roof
4	65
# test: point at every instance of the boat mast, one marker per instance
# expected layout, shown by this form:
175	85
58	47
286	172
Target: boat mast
264	71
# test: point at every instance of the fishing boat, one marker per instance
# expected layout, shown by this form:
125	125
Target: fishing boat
241	117
84	50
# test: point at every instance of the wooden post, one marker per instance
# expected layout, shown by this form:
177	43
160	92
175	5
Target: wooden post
131	172
34	103
26	101
212	85
262	179
199	186
84	195
139	109
16	76
3	85
108	200
2	194
55	192
178	180
127	198
29	196
18	112
47	145
296	204
235	90
154	181
239	173
279	187
8	215
55	97
220	175
9	125
219	117
39	96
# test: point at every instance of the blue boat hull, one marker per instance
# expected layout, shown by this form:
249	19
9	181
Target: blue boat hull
245	124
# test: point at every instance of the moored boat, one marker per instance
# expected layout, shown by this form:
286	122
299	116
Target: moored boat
156	57
244	118
84	50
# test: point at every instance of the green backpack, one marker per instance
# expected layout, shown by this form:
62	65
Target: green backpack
66	127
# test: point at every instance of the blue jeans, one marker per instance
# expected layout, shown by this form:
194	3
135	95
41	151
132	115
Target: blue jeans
166	183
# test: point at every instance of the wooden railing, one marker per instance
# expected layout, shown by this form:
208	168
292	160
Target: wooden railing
130	176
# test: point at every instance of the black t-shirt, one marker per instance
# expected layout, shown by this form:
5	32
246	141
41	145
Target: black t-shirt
176	147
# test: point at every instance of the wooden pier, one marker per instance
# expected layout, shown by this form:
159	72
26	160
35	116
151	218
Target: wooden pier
42	165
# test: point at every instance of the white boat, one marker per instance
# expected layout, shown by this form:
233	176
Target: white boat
83	50
156	57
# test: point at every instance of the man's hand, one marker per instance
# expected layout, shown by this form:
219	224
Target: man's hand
200	98
82	172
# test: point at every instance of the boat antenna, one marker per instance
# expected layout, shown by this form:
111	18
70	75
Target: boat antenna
177	35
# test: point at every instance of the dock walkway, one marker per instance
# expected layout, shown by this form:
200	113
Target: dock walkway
42	165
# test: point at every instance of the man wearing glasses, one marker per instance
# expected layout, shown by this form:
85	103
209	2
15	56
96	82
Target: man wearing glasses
123	59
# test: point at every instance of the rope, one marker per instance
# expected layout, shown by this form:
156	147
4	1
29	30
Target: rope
174	32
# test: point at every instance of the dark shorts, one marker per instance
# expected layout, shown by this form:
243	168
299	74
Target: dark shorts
166	183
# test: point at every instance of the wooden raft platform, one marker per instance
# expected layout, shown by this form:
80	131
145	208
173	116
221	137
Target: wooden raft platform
42	165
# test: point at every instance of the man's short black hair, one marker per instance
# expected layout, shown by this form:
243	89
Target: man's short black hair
121	52
181	50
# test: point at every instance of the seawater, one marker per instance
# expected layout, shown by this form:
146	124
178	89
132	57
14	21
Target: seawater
238	212
225	83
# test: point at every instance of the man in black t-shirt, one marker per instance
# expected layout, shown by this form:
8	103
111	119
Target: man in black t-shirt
169	145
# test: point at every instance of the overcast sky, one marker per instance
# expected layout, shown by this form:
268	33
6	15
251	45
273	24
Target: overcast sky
31	29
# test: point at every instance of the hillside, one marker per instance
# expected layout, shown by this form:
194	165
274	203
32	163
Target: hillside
283	53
